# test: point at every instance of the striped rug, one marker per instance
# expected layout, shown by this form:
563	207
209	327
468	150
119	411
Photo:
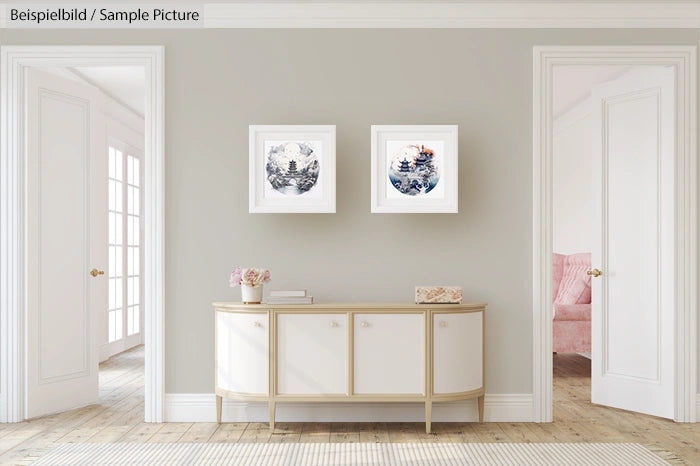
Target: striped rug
559	454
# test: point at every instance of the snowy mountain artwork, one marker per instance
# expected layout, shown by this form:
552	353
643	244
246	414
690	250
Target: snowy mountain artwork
292	168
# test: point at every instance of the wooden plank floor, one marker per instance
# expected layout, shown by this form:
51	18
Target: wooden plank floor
118	418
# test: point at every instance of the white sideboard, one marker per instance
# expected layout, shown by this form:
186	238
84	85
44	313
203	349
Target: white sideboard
373	352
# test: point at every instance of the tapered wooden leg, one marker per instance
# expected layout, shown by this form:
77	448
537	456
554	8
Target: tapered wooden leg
271	405
428	415
218	409
481	408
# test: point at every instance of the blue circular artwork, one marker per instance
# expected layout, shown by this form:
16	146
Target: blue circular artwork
413	170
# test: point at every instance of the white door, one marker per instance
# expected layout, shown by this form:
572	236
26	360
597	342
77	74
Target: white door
66	230
389	353
633	242
312	353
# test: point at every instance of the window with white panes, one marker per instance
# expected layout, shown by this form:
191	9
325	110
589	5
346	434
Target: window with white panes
133	235
125	275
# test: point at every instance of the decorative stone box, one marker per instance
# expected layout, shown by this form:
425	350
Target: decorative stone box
438	294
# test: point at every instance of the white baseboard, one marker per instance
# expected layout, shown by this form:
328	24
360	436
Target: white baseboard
697	407
201	407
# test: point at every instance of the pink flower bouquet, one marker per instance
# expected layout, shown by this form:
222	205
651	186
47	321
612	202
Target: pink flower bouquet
249	277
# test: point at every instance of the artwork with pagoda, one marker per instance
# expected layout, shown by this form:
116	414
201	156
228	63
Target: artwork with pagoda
292	168
413	170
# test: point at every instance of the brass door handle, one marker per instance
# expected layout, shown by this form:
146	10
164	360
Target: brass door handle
95	272
595	273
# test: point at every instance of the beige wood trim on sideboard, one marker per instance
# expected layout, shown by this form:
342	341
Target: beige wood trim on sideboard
351	354
350	309
241	396
373	307
483	367
216	369
428	361
272	365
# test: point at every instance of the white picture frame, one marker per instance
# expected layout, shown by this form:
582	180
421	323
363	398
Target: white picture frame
291	169
400	181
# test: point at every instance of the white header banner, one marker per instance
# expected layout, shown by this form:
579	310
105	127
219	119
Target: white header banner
104	15
351	14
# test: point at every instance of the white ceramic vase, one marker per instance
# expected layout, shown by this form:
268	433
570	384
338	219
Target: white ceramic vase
251	294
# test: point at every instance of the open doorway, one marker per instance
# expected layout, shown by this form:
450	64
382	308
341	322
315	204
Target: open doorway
85	143
613	234
572	228
85	124
642	229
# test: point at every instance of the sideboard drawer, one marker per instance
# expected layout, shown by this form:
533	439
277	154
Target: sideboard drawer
311	354
389	354
242	352
458	352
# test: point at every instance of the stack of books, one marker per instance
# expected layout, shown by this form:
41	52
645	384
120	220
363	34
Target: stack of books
289	297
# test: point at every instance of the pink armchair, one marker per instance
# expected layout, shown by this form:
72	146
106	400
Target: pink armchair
571	289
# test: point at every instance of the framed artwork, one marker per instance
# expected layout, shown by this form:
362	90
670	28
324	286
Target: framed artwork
292	168
414	168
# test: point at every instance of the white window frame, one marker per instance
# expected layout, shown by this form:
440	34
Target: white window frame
127	341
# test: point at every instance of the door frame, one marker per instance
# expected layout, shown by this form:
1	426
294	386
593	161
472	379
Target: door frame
14	61
683	58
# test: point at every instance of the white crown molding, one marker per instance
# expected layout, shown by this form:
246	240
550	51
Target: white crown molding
464	14
201	407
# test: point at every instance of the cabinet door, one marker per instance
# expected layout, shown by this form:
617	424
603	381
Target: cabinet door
389	353
242	352
457	352
311	354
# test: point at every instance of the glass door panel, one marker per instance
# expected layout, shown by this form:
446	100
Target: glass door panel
124	239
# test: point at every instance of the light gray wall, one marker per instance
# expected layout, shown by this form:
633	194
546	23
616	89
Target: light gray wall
220	81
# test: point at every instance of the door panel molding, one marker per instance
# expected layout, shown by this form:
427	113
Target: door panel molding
84	106
14	60
607	219
683	59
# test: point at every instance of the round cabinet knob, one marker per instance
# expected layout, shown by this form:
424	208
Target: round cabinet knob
364	324
256	324
334	324
443	323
